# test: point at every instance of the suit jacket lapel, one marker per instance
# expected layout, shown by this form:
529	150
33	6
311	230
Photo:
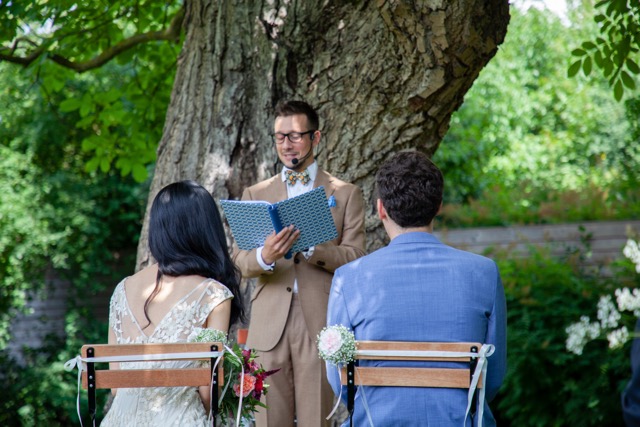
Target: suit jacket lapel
325	180
277	190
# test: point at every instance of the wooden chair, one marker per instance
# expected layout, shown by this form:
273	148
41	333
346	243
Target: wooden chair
93	378
386	376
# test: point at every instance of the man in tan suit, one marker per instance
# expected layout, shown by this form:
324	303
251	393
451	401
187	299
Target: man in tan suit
289	304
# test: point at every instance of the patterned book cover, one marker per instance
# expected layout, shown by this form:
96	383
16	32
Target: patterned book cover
251	222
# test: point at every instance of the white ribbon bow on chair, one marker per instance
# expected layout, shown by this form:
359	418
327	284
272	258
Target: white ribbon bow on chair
79	362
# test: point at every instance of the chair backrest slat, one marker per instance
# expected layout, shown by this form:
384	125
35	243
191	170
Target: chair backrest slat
463	347
138	378
107	350
161	377
414	376
410	377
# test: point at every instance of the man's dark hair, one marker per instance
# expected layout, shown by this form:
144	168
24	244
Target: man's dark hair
291	108
410	187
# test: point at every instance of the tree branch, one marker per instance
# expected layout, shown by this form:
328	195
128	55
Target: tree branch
170	33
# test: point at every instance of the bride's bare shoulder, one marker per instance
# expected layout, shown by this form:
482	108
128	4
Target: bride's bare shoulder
144	277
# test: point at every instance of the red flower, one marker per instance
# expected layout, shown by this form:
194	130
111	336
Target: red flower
259	386
253	366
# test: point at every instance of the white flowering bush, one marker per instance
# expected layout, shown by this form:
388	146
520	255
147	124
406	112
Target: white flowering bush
609	324
632	251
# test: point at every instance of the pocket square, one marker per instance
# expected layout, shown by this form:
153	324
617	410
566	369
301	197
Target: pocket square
332	202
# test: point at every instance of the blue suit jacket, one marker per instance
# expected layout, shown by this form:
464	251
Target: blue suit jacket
418	289
631	394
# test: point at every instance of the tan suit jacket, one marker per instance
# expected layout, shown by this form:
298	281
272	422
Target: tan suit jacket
272	297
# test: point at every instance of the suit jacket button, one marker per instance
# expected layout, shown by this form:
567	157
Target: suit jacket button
320	263
296	260
288	289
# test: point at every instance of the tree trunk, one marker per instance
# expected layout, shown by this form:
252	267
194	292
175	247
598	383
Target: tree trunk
384	76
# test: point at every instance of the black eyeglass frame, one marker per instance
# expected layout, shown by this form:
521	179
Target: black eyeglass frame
288	135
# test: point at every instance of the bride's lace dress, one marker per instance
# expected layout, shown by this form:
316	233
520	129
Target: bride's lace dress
163	406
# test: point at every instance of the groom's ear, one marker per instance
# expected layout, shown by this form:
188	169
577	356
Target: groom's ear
382	212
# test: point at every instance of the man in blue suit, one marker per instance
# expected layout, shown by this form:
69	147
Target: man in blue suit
631	394
418	289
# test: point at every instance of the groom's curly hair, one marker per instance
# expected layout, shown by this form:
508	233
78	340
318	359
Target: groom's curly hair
410	187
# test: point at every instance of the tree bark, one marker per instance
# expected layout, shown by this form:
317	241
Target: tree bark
385	76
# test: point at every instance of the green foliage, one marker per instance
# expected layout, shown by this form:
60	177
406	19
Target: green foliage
52	214
41	392
121	102
616	48
538	138
62	206
525	204
545	384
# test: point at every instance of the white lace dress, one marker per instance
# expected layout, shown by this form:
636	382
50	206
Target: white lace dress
163	406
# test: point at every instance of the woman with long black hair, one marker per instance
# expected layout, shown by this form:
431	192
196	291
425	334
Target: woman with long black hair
194	284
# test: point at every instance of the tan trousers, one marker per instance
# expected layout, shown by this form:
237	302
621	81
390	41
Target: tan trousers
299	391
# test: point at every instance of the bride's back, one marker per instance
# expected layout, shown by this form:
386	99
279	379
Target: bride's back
167	302
172	290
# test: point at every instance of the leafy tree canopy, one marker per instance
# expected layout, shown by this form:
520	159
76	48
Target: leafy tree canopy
133	44
525	131
615	50
54	214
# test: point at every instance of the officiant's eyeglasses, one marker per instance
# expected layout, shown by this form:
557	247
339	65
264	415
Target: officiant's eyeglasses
293	136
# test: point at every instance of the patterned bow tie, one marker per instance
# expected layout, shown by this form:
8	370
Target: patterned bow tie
293	176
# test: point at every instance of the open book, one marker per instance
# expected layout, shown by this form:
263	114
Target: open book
252	221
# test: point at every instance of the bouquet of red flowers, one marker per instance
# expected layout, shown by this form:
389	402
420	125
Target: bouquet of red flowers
244	378
249	385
